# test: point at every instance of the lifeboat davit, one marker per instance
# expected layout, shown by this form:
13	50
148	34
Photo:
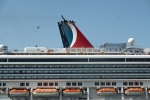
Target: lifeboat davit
106	91
39	92
72	92
134	91
149	91
19	92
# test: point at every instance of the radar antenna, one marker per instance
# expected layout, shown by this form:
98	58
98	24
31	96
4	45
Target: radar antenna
64	19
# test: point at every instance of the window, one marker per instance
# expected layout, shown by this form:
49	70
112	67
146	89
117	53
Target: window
27	84
141	83
56	84
113	83
39	84
102	83
74	84
22	84
136	83
106	59
79	83
45	84
45	60
108	83
130	83
96	83
68	84
125	83
51	84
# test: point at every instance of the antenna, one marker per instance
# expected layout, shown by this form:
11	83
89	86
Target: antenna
63	18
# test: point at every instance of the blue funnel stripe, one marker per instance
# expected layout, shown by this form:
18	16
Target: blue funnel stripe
68	32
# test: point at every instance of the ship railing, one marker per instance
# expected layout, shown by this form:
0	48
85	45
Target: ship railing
70	50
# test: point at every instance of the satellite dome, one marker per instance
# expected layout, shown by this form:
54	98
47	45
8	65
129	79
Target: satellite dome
131	41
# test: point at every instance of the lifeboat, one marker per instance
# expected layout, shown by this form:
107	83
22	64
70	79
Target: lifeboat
72	92
19	92
39	92
107	91
134	91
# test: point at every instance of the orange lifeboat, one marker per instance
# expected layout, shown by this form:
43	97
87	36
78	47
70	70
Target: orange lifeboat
69	92
134	91
39	92
107	91
19	92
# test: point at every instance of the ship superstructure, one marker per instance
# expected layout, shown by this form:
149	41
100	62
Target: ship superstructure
113	71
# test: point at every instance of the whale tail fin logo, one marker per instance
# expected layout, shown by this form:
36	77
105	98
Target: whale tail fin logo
71	36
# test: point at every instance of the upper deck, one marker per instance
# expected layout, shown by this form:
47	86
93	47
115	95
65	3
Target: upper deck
106	49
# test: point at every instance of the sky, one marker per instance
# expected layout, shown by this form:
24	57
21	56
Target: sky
26	23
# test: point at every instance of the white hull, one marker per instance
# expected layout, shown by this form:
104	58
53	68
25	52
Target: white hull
48	94
19	94
134	93
106	93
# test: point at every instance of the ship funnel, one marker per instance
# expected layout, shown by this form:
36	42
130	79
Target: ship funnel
71	36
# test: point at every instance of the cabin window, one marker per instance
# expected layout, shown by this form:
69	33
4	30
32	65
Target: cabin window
5	72
34	77
4	84
11	72
141	83
57	77
39	84
74	84
113	83
27	84
130	83
22	84
74	77
34	71
102	83
97	77
108	83
79	83
85	77
45	84
5	77
80	77
51	84
96	83
1	72
56	84
17	77
74	71
125	83
22	77
40	72
68	84
40	77
136	83
51	66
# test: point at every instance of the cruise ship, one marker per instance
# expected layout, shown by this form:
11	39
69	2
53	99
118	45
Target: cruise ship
78	71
